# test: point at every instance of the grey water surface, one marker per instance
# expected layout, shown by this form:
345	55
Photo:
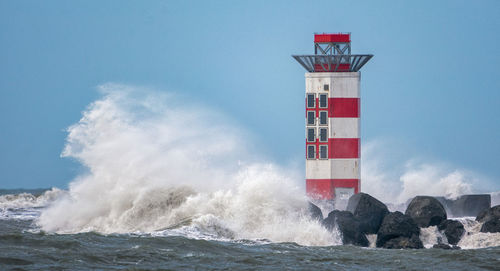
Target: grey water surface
24	247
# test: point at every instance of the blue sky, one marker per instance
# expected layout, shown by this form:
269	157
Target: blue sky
432	90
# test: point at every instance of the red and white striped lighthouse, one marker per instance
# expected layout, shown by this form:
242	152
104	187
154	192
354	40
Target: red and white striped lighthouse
332	117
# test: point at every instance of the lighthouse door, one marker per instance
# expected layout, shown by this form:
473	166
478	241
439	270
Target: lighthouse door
342	195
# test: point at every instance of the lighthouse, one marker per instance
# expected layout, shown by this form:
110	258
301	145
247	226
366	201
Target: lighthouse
332	119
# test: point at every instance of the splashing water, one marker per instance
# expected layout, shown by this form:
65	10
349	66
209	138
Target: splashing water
155	166
384	178
159	167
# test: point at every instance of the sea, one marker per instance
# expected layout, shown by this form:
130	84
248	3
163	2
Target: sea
165	184
25	245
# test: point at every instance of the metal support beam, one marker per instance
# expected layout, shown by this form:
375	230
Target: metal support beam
326	62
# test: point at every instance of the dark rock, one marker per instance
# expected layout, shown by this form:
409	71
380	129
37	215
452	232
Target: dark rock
466	205
397	225
315	212
404	242
445	246
426	211
441	246
368	210
470	205
491	226
348	226
489	214
453	230
490	219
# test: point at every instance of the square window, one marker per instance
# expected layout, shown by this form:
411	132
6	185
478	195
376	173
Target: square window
311	135
323	134
323	152
323	117
323	101
326	87
311	152
311	117
311	101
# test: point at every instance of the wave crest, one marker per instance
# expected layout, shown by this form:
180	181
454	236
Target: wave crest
156	165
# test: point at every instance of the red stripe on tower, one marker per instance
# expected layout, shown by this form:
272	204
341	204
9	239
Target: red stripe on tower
343	107
343	148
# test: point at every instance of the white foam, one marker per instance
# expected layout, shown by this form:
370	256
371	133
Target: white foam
431	236
26	206
495	198
473	238
372	240
27	200
163	167
159	166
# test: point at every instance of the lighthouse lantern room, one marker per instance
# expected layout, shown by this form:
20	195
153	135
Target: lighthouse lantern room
332	104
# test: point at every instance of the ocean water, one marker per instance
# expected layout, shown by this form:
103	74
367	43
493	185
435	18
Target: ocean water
166	185
24	245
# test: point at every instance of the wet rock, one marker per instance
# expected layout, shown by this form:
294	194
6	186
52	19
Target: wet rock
404	242
470	205
441	246
453	230
490	219
491	226
466	205
489	214
315	212
348	226
445	246
426	211
400	227
368	210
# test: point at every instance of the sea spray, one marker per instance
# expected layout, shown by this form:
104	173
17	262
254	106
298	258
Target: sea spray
28	200
27	206
154	165
395	180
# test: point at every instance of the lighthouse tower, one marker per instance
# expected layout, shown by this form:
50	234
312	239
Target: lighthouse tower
332	118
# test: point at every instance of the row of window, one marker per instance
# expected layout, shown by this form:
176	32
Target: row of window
311	100
323	152
323	118
323	134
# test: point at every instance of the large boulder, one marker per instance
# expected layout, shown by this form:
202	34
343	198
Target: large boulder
453	230
491	226
348	226
489	214
426	211
315	212
400	227
470	205
368	210
490	219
